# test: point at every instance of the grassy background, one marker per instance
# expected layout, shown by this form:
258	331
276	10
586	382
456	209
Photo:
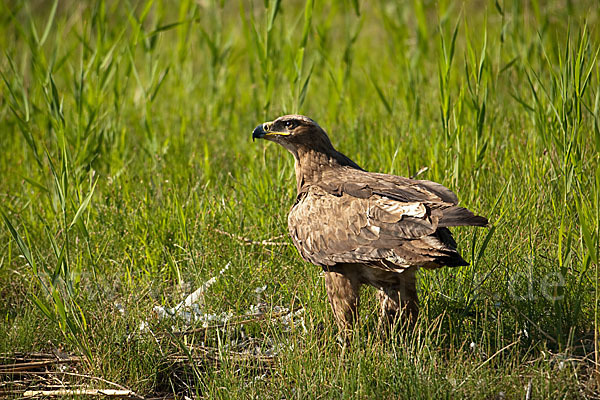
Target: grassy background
126	152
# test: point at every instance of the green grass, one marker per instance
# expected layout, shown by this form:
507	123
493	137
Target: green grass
126	151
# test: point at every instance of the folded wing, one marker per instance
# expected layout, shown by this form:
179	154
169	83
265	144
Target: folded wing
383	220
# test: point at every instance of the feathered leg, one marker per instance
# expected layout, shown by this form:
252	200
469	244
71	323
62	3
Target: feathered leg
409	299
389	302
343	292
399	298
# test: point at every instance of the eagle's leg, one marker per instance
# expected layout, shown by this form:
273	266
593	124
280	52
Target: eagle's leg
399	298
389	302
409	299
343	292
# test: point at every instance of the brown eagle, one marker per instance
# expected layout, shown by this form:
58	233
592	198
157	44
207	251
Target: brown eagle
363	227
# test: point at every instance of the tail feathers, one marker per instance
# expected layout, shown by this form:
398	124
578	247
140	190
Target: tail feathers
459	216
453	261
450	259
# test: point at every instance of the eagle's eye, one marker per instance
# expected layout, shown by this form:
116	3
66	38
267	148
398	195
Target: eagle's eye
290	124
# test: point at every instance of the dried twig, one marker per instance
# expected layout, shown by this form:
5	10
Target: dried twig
528	392
39	381
30	356
250	242
121	394
53	374
28	366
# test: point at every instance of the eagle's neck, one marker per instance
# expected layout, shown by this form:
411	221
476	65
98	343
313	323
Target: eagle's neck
312	164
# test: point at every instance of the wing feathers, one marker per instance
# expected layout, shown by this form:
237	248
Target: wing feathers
382	220
439	190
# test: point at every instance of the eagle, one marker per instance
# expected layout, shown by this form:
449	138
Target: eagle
364	227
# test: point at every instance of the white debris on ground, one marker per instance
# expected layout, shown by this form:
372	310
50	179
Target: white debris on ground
143	326
189	309
288	318
260	289
293	319
120	308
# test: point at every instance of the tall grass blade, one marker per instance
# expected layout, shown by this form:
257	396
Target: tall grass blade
83	206
49	23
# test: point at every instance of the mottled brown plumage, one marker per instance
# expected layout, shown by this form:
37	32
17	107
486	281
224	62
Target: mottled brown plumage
364	227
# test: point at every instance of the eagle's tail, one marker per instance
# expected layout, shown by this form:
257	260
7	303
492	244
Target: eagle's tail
459	216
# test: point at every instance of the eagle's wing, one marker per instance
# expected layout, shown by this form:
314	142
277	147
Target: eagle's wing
364	184
379	219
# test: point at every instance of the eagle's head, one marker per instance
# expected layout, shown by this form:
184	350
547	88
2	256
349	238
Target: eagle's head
307	141
294	132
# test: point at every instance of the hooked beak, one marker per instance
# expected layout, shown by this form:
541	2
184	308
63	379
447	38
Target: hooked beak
258	132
